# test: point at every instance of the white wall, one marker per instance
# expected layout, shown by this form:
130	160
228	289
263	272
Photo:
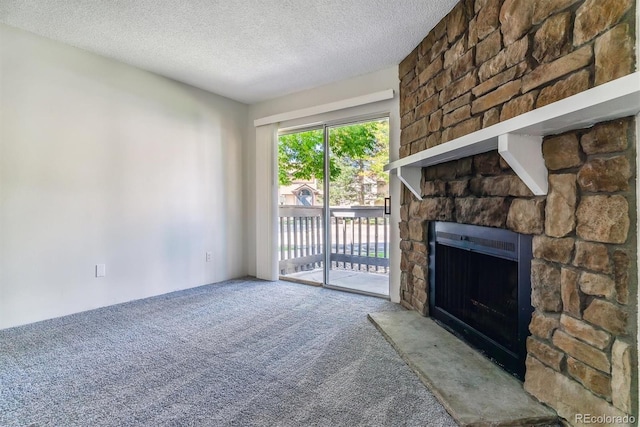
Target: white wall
362	85
105	163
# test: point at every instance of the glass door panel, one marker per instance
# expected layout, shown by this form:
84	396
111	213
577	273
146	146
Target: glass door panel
300	211
358	233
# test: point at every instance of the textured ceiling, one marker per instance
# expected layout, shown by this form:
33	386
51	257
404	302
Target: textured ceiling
247	50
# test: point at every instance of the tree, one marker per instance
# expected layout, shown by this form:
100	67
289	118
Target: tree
300	156
359	153
344	190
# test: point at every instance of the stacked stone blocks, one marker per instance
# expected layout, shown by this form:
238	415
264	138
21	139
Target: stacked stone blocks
581	271
583	246
489	61
492	60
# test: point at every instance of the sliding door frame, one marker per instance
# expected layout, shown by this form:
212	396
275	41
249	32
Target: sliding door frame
326	209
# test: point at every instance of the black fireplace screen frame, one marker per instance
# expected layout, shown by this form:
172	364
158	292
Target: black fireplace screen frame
495	242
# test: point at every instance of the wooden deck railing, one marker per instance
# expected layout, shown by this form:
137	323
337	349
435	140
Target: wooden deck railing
359	239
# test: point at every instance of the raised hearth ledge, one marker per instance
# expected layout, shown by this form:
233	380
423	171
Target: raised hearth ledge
518	140
470	387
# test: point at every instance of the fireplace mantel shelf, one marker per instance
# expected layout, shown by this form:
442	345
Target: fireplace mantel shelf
519	140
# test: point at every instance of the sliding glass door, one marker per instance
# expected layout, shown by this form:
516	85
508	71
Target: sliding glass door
358	187
340	240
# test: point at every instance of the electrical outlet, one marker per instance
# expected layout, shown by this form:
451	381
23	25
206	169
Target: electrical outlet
101	270
207	256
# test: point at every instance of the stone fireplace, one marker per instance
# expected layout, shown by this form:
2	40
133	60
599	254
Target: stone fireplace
480	288
489	61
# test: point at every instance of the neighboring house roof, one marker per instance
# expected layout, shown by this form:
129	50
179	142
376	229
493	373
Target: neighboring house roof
306	187
296	187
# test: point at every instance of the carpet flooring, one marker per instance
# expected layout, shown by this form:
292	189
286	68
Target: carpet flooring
239	353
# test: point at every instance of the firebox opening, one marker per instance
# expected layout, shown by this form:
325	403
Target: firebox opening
480	289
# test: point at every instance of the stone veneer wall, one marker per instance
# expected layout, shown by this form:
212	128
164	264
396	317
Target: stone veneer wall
584	275
582	348
491	60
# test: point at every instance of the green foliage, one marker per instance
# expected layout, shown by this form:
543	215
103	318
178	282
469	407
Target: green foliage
300	156
344	188
358	151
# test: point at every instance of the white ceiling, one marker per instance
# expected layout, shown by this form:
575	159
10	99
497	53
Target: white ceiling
247	50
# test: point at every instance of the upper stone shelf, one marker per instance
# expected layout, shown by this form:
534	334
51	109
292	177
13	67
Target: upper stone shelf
519	140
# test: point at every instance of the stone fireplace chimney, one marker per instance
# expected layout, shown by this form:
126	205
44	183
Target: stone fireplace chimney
489	61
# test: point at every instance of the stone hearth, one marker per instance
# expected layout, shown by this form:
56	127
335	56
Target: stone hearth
472	389
492	60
